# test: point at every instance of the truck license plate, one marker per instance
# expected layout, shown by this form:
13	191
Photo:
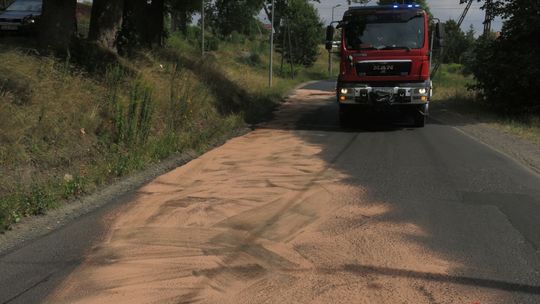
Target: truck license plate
8	27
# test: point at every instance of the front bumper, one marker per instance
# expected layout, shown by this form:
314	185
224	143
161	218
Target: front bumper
17	27
389	94
10	26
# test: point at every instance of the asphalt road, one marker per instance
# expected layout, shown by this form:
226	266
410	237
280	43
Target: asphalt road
303	211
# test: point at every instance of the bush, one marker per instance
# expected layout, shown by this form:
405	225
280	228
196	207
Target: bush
237	38
250	58
455	68
507	69
211	44
254	59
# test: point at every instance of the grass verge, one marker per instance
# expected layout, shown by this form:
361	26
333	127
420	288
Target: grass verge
451	92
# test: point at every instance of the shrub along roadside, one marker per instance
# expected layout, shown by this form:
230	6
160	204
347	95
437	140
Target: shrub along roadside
453	90
76	131
507	68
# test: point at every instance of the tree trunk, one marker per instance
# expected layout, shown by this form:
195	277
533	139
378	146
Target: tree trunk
58	23
135	23
106	22
142	24
156	28
175	23
180	21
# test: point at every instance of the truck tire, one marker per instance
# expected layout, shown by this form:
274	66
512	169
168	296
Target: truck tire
420	118
344	116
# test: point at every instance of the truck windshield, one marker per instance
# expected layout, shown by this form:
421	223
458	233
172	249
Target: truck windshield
384	30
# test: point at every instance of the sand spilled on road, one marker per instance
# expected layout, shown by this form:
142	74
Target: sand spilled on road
262	219
220	222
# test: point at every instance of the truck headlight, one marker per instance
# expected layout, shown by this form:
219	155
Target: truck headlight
28	20
344	90
422	91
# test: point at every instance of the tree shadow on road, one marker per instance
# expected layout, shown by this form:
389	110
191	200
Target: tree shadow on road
315	110
424	175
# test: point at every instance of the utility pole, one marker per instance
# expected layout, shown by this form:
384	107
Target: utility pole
330	63
202	28
270	68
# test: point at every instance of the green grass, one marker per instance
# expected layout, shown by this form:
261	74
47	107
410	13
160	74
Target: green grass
451	90
66	132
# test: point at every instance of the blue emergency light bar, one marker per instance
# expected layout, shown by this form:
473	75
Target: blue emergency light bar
406	5
391	6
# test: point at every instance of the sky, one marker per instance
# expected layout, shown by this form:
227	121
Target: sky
442	9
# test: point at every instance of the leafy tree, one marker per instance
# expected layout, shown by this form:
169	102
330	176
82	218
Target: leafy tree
457	43
282	7
239	16
469	35
301	32
507	68
181	13
468	57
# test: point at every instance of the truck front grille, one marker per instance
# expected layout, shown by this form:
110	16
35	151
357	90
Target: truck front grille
383	68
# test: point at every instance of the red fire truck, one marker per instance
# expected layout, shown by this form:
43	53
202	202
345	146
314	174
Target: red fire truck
386	57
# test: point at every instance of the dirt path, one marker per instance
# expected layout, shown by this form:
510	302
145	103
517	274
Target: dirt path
267	218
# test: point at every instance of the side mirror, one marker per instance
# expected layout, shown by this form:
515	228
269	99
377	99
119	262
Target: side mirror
440	34
329	37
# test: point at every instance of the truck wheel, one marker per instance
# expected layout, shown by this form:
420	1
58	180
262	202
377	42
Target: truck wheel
344	116
419	119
